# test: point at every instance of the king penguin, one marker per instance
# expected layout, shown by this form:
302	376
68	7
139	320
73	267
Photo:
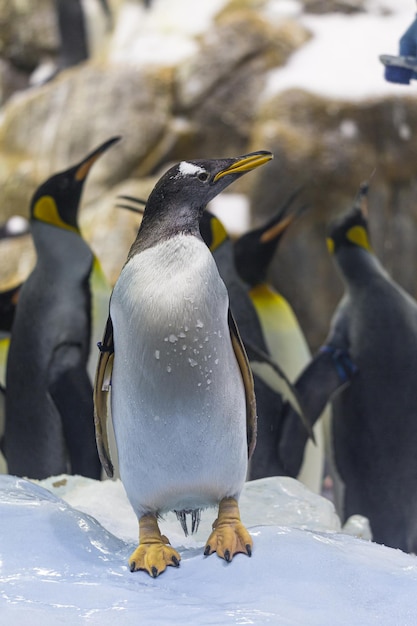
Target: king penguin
49	399
182	399
370	359
271	391
286	343
16	226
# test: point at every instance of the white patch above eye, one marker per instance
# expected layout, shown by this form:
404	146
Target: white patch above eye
188	169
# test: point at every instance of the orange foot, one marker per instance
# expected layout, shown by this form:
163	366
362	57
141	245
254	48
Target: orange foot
153	553
229	536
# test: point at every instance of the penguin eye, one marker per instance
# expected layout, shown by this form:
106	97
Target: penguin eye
203	176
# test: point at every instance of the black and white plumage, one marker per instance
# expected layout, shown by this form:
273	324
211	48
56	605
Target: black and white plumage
182	399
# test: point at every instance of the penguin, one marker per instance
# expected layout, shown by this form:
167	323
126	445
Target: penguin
74	32
372	344
286	343
79	34
182	399
272	391
8	300
14	227
265	459
49	400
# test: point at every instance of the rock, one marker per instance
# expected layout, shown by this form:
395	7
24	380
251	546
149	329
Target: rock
67	118
28	31
334	6
218	88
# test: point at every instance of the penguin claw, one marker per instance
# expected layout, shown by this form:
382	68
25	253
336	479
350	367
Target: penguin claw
229	536
153	558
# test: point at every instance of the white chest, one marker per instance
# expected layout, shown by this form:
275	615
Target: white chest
177	391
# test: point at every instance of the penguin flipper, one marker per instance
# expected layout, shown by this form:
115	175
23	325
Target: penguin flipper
242	359
289	392
328	372
101	390
70	389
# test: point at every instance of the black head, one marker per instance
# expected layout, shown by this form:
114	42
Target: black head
56	201
351	230
255	250
193	184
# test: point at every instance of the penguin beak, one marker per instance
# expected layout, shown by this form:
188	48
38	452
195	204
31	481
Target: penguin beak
86	164
245	164
277	229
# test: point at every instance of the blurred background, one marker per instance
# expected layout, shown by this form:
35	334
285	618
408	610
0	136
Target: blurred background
180	79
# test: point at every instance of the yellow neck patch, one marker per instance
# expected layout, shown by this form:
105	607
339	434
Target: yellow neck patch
46	211
358	236
218	233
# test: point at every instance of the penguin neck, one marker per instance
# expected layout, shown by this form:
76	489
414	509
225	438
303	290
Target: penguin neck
358	267
163	222
56	247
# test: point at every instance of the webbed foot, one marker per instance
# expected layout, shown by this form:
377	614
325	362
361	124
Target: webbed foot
153	553
229	536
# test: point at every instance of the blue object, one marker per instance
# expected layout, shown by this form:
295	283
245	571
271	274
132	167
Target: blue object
395	74
408	48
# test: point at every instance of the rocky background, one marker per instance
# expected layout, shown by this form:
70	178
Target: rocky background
209	101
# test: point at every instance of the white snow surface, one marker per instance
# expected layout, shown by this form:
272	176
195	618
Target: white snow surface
63	560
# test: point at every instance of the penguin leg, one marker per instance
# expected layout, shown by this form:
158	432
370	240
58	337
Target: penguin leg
153	553
229	536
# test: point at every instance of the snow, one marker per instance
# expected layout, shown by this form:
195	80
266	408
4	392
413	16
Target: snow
65	544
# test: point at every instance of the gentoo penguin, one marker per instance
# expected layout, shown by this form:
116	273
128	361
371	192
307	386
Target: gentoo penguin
182	400
374	433
49	405
285	340
265	459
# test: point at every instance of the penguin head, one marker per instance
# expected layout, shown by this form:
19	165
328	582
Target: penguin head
56	201
351	230
190	185
254	251
212	231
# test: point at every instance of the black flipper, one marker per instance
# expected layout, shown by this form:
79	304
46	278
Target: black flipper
327	374
71	391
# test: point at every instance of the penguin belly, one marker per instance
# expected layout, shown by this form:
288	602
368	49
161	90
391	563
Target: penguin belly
178	399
